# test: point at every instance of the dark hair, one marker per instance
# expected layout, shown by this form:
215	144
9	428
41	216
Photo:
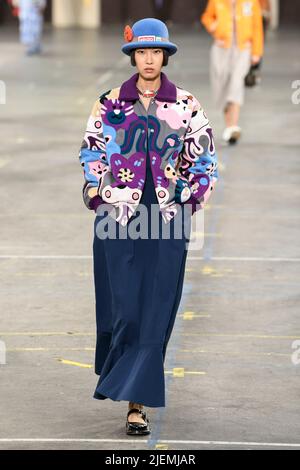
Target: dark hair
165	53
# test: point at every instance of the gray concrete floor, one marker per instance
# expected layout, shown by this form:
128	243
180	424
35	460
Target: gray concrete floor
240	388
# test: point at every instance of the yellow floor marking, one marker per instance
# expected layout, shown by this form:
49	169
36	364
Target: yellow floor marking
51	273
3	162
209	207
196	372
161	446
45	333
196	350
27	349
240	335
228	335
73	363
210	271
214	206
192	315
45	214
193	351
176	372
233	353
21	140
48	349
36	274
181	372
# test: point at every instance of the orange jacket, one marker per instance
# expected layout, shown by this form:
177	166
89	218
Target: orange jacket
249	25
265	5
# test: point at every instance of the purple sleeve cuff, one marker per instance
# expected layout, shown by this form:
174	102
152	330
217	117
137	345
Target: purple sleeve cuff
95	202
194	203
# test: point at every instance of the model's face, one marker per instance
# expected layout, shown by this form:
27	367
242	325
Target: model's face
149	62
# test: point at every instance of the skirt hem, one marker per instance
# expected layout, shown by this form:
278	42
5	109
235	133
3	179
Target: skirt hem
128	370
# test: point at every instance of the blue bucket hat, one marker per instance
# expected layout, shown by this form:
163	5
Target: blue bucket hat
149	32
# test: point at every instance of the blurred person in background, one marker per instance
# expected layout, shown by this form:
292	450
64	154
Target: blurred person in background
163	10
254	75
266	15
265	6
237	29
31	17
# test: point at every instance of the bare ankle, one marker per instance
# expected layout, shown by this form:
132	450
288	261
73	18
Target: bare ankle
132	404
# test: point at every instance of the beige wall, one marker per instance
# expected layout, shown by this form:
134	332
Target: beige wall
84	13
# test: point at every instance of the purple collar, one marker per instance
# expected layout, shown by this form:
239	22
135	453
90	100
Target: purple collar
166	92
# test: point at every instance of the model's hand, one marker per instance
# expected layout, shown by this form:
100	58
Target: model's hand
213	27
255	59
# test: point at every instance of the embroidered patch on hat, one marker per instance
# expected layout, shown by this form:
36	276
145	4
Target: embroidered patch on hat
128	33
146	38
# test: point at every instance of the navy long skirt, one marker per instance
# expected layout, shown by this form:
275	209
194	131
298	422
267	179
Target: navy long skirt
138	287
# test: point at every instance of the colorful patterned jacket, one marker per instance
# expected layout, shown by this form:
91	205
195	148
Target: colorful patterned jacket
174	130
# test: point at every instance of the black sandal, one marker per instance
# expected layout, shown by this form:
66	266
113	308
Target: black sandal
136	428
